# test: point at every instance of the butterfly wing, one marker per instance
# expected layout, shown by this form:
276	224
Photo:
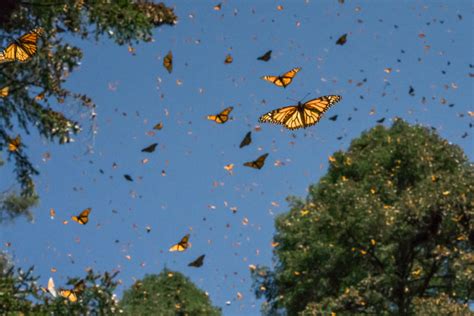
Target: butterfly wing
342	40
52	288
222	117
82	218
247	140
283	80
280	115
168	62
266	56
228	59
257	164
314	109
158	126
14	144
182	245
4	92
198	262
69	295
150	149
23	48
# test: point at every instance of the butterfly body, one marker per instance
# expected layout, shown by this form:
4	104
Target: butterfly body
301	115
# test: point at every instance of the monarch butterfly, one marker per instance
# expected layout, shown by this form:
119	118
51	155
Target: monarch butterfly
82	218
128	177
283	80
4	91
198	262
342	40
23	48
302	114
168	62
182	245
14	144
257	164
222	117
247	140
266	56
228	59
51	289
150	149
158	126
72	294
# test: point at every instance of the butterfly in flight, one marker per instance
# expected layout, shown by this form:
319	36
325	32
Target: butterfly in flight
83	217
222	117
51	289
158	126
168	62
128	177
182	245
72	294
150	149
257	164
228	59
266	56
23	48
283	80
302	114
247	140
198	262
14	144
342	40
4	91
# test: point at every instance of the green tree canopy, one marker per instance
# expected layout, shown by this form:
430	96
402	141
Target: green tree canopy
388	230
168	293
20	294
37	97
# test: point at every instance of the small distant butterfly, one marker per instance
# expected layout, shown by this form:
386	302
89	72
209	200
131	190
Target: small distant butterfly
247	140
14	144
168	62
51	289
150	149
23	48
302	114
158	126
257	164
198	262
266	56
342	40
222	117
128	177
380	121
83	217
182	245
4	92
228	59
72	294
333	118
283	80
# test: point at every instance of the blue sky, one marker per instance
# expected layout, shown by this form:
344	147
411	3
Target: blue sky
418	41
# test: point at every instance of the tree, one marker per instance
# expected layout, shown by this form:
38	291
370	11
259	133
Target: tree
388	230
20	294
168	293
35	88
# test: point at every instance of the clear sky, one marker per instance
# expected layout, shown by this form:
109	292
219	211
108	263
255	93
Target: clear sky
427	45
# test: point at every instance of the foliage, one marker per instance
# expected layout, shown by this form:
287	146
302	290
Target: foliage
12	206
36	87
387	230
169	293
20	294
